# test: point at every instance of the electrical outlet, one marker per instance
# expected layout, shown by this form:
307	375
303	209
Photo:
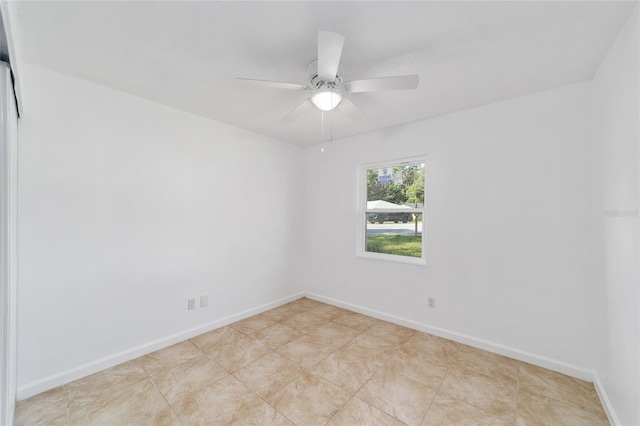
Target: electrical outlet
204	301
191	304
431	302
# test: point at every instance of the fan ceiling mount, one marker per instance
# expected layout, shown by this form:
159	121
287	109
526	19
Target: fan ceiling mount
327	86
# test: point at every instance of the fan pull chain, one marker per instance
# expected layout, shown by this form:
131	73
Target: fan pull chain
331	129
322	124
331	121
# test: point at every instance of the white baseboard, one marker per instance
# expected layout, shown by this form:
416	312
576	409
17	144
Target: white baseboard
84	370
606	402
541	361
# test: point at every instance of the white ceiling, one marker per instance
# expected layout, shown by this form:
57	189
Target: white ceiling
187	54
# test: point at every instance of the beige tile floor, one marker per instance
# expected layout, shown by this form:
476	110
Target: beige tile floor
309	363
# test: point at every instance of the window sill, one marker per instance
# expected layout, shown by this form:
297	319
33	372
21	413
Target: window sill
392	258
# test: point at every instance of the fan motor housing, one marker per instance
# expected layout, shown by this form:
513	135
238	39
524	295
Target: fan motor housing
317	82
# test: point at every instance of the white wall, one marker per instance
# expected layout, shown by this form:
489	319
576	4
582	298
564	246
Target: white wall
616	203
126	209
507	228
8	245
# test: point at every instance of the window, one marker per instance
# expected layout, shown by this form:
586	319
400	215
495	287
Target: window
391	214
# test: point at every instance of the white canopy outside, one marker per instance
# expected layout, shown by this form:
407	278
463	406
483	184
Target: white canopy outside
381	204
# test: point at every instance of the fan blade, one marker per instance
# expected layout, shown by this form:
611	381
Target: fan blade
271	84
329	53
401	82
351	110
297	111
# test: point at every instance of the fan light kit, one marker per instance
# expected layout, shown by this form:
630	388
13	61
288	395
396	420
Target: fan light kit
326	100
328	91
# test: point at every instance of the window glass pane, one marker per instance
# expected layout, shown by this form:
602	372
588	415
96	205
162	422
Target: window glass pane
394	186
394	233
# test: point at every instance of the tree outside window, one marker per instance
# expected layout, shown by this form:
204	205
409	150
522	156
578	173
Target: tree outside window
394	210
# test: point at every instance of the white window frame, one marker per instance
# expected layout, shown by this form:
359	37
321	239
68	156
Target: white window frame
362	212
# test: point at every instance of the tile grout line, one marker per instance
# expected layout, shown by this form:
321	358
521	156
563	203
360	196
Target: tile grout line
275	351
260	396
437	391
517	392
322	378
66	400
469	403
174	366
564	402
269	403
197	390
435	396
355	393
165	400
69	402
285	385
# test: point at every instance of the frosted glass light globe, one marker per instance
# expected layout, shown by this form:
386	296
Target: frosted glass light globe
326	100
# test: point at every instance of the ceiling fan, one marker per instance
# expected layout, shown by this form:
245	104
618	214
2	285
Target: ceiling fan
326	85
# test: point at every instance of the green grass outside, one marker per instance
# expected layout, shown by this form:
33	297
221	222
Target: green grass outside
401	245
